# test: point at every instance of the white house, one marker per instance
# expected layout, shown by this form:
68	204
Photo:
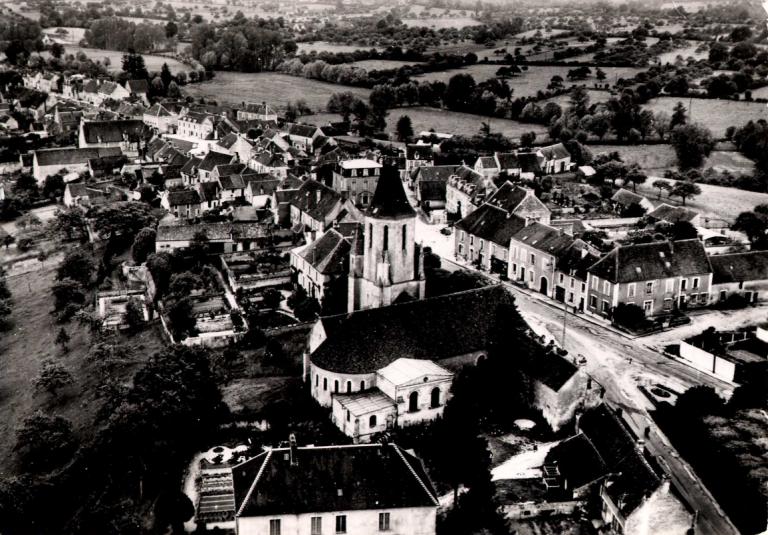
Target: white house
361	489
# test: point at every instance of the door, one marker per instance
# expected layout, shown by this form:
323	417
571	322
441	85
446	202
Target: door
544	286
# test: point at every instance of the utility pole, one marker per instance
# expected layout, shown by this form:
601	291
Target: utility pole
565	317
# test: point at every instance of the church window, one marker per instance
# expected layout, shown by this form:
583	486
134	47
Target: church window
413	402
435	398
349	387
325	383
372	421
317	380
362	385
386	238
336	386
405	234
370	236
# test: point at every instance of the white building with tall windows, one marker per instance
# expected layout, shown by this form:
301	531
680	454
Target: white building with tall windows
325	490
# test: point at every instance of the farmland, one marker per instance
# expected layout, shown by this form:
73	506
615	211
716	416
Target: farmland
459	123
595	96
380	64
442	22
685	52
153	63
655	159
322	46
717	115
277	89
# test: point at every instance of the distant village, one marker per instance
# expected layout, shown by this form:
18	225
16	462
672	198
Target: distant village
336	225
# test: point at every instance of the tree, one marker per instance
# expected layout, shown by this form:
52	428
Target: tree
134	66
527	139
53	186
662	123
629	315
182	284
182	318
171	29
134	313
635	177
8	239
611	171
717	52
683	230
661	185
62	339
458	93
679	115
579	101
53	376
67	291
121	220
57	50
684	190
692	143
78	266
344	104
173	90
754	224
173	508
44	441
404	128
143	245
600	75
70	222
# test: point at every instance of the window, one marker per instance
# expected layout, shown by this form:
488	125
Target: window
405	234
573	282
434	398
704	297
362	385
274	526
341	520
583	286
386	238
413	402
562	278
370	235
695	283
668	304
481	244
631	290
530	275
471	239
461	249
461	235
349	387
670	286
606	306
648	306
317	380
317	525
514	268
649	287
533	259
383	522
325	383
593	282
371	424
348	415
606	287
592	301
683	284
336	386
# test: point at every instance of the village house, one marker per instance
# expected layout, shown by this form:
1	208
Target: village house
571	274
256	112
323	265
181	202
209	163
235	145
96	93
417	155
432	173
226	237
356	179
534	252
49	162
197	125
466	191
260	189
334	489
129	135
743	274
624	198
92	194
732	355
162	118
303	136
672	214
268	162
556	159
315	207
659	277
138	89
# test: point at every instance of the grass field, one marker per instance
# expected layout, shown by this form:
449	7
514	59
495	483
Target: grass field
274	88
442	22
685	52
379	64
73	35
31	340
655	159
323	46
595	96
459	123
717	115
153	63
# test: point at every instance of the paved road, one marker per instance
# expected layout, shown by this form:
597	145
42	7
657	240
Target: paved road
620	364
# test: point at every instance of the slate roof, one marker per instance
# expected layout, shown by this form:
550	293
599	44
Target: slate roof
228	140
578	461
550	369
555	152
302	130
509	196
544	238
190	167
418	152
626	198
158	110
488	162
493	224
215	231
529	162
195	117
183	197
434	173
738	267
432	190
209	191
212	159
507	160
331	478
261	183
329	254
113	131
652	261
389	200
69	156
229	169
305	199
231	182
137	87
672	214
436	328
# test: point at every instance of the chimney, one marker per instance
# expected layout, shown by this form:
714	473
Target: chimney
293	449
319	195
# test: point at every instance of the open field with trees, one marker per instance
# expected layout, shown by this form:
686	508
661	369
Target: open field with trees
717	115
460	123
380	64
442	22
324	46
277	89
154	63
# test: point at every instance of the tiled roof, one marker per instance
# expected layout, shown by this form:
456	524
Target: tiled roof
432	190
113	131
507	160
529	162
183	197
672	214
626	198
509	197
389	199
329	254
209	191
738	267
190	167
544	238
331	478
306	199
231	182
555	152
435	328
214	231
434	173
137	87
302	130
229	169
68	156
652	261
212	159
491	223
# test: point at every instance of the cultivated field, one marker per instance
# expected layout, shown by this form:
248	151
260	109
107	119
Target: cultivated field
451	122
324	46
655	159
717	115
274	88
442	22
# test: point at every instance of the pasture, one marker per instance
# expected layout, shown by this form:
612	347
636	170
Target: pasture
438	23
688	51
276	89
72	35
381	64
717	115
153	63
324	46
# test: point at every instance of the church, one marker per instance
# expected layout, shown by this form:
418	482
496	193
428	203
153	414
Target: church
386	265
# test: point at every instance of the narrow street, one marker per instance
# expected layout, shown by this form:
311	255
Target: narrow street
620	364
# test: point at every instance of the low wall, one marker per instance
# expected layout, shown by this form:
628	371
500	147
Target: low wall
707	362
537	509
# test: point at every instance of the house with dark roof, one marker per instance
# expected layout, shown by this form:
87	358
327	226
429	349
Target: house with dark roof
605	459
256	112
225	237
93	194
314	207
333	489
302	136
138	89
659	277
418	155
130	135
322	266
269	162
554	159
162	117
260	188
624	198
181	202
466	191
534	253
206	167
672	214
235	144
197	125
571	274
49	162
744	274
